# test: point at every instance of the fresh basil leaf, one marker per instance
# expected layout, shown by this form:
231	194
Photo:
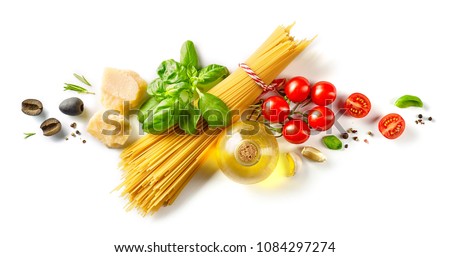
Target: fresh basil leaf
172	72
210	76
164	116
191	72
212	72
188	119
157	89
174	90
146	108
214	110
188	55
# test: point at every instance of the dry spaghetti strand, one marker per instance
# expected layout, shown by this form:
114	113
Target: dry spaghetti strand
158	167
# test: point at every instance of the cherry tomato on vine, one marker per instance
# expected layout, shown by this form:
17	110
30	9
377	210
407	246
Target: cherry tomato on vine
320	118
275	109
296	131
391	126
357	105
297	89
323	93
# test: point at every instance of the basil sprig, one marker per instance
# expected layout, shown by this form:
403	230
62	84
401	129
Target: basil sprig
173	95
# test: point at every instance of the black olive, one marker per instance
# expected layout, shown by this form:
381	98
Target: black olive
72	106
32	107
51	127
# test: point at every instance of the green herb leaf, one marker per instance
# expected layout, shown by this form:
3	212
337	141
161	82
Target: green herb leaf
214	110
188	55
146	109
76	88
189	118
210	76
176	90
82	79
172	72
408	101
157	89
27	135
191	72
164	116
332	142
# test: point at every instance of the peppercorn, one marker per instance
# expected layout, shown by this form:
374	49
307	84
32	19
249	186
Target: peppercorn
346	145
430	118
420	116
84	141
356	138
78	132
344	135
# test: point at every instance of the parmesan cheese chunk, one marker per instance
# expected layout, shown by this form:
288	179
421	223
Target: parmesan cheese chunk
113	130
120	86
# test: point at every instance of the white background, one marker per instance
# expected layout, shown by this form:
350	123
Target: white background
386	198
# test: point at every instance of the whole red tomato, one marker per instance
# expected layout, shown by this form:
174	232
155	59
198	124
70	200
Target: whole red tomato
323	93
321	118
275	109
297	89
296	131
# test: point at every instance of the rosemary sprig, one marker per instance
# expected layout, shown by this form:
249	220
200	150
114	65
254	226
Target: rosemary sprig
82	79
29	134
76	88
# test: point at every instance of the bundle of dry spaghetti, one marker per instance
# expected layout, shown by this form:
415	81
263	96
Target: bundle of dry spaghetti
157	167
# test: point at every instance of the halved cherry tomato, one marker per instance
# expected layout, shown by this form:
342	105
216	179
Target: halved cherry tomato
323	93
297	89
391	125
320	118
296	131
357	105
275	109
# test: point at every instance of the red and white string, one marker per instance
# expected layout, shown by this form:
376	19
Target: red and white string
275	84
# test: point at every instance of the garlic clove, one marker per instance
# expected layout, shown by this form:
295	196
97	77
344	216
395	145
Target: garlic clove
313	154
294	163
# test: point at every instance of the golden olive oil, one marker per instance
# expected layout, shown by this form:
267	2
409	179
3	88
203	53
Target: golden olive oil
247	152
